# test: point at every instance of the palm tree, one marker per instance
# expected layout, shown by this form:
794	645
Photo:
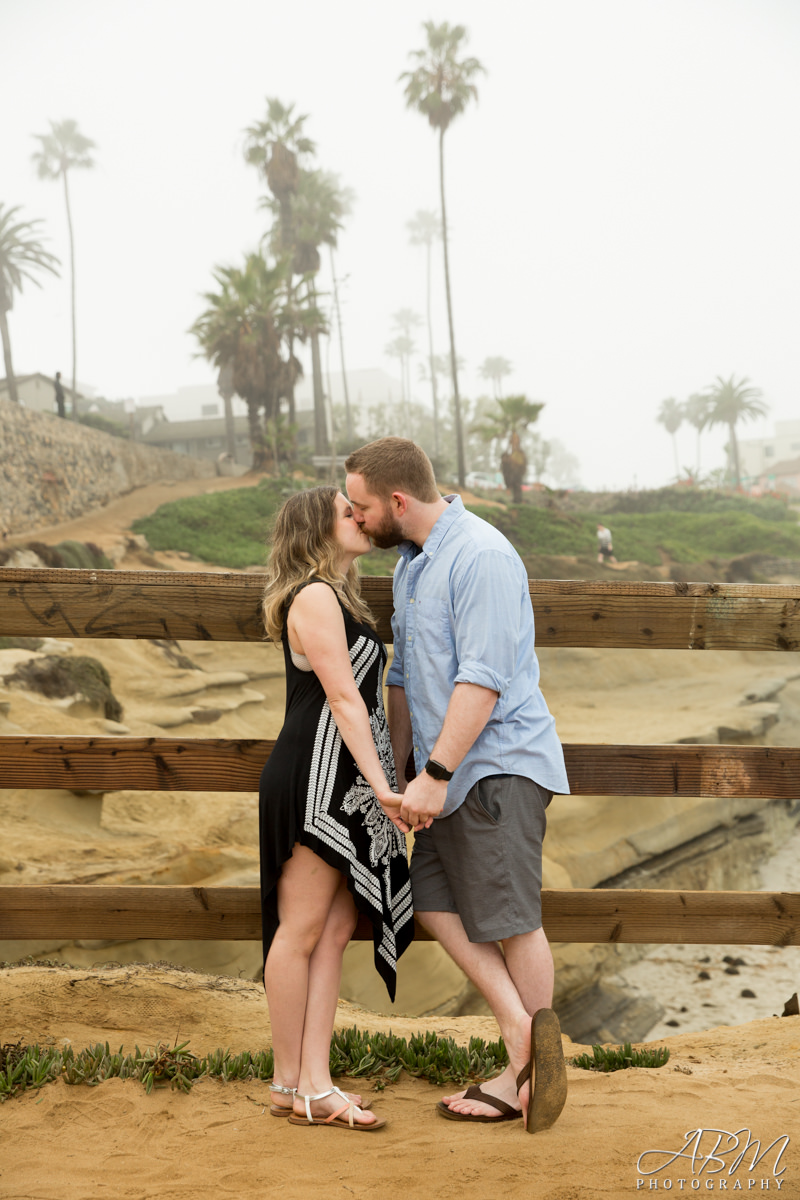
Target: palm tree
245	326
274	146
440	87
405	320
63	148
401	348
495	369
510	419
21	256
422	229
318	208
697	412
731	402
670	415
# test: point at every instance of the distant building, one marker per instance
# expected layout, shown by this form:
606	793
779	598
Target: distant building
38	392
193	417
203	438
782	477
365	388
759	457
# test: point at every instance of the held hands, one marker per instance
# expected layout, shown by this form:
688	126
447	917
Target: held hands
390	802
423	800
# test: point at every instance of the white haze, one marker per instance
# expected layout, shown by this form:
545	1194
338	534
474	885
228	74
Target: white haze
623	199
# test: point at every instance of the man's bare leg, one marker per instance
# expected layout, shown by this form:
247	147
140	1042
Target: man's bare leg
515	987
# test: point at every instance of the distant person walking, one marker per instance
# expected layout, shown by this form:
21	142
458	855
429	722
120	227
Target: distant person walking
605	550
60	403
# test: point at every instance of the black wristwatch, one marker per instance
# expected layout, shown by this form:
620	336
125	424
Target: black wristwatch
436	770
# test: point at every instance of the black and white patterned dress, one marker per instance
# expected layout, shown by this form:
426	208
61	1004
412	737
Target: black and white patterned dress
312	792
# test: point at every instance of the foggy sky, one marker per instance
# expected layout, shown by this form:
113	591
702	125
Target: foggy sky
623	199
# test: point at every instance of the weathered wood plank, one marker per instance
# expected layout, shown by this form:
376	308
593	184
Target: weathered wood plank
225	607
137	763
770	772
131	604
582	915
209	765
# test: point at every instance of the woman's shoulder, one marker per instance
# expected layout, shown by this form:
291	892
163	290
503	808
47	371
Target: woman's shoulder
314	593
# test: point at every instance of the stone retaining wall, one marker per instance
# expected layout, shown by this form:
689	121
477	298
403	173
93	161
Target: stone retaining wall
54	470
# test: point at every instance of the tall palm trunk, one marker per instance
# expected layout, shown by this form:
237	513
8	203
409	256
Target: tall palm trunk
462	470
405	368
675	456
13	394
321	445
72	284
430	350
737	471
348	417
290	397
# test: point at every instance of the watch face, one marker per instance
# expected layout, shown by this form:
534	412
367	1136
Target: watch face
436	770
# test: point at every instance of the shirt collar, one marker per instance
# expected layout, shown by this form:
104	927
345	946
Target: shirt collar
441	528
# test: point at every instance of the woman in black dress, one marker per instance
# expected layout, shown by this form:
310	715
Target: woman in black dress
331	837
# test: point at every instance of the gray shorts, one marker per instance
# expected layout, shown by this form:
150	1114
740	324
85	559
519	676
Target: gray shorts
484	861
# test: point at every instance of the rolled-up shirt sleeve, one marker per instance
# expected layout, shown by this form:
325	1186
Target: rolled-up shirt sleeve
486	603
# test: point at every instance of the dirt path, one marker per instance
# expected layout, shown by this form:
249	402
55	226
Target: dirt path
106	526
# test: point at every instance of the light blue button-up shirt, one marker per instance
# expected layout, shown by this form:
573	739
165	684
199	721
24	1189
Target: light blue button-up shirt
462	614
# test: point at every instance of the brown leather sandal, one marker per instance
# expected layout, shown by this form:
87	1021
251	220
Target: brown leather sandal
505	1112
549	1071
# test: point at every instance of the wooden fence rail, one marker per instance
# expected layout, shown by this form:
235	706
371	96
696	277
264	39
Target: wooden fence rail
226	607
578	915
220	765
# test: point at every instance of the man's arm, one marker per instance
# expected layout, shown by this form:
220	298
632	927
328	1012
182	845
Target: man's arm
488	598
467	713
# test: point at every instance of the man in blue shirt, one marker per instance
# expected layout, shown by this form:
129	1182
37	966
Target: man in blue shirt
464	698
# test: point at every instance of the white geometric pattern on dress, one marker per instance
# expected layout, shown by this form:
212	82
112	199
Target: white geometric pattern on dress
386	841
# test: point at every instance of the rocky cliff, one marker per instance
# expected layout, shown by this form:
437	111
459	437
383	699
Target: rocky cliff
53	470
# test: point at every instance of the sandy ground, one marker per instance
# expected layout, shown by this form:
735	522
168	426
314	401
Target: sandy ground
726	1070
219	1140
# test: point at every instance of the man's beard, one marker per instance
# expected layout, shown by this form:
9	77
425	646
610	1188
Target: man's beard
388	533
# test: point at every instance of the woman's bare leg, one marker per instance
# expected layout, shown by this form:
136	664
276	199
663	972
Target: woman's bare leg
324	981
306	890
303	973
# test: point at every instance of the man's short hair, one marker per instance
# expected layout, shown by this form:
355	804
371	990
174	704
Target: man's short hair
394	464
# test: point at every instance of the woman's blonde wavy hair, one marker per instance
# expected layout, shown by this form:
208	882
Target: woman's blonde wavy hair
303	548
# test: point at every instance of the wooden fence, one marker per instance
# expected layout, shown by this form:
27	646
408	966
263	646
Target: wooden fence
226	607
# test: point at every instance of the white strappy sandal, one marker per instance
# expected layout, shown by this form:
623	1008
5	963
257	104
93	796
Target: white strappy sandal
335	1120
281	1110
